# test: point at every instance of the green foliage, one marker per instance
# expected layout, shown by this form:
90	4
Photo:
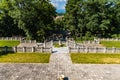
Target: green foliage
91	58
9	43
93	18
33	18
60	14
25	58
110	44
7	25
57	45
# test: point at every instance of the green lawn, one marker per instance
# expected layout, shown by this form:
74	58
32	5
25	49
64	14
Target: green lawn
57	45
110	43
9	43
25	58
83	58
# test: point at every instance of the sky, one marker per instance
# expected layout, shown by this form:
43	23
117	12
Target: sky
59	4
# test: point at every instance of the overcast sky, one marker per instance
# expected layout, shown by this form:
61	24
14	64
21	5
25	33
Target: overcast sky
59	4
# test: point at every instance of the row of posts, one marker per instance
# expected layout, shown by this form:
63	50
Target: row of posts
59	42
95	50
33	49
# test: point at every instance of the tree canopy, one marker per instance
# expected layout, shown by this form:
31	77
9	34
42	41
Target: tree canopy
93	18
34	17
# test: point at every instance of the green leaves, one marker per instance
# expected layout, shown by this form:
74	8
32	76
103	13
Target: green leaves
34	17
94	17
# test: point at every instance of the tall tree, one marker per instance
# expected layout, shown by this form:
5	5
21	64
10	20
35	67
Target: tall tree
92	18
7	25
35	17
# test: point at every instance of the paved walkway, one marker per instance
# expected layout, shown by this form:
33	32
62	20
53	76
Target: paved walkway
60	50
60	63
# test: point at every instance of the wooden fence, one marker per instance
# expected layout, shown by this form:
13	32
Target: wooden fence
25	49
94	50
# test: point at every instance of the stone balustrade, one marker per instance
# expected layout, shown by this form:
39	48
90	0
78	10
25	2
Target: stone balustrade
94	50
26	49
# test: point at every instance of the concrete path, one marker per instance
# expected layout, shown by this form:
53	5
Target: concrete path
60	50
60	63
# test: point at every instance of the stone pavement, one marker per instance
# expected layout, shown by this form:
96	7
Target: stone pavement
60	63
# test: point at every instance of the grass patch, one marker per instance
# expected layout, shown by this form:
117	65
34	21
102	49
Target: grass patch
57	45
83	58
79	41
25	58
111	44
9	43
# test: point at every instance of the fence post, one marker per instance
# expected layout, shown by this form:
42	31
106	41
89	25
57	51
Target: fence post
51	42
24	49
78	49
66	42
15	49
74	44
59	42
86	49
42	49
95	49
69	49
6	49
33	49
105	50
50	49
44	44
113	49
30	41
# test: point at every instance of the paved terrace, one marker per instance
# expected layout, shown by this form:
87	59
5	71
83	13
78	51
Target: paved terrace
60	63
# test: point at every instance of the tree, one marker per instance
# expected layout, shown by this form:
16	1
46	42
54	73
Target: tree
98	18
35	17
7	25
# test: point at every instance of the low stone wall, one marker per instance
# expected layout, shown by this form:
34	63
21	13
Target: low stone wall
28	41
108	39
26	49
11	38
94	50
70	43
